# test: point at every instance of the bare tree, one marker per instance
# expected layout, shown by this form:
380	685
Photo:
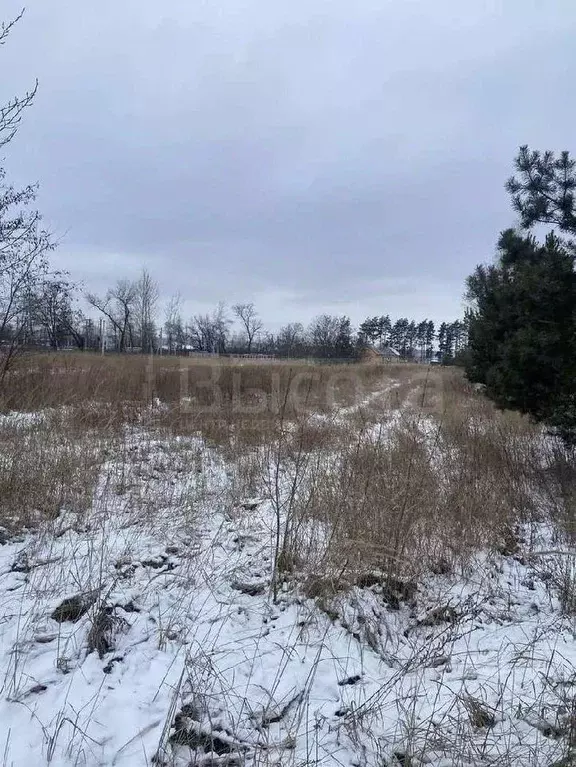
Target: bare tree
23	243
323	331
331	336
53	312
118	306
252	324
147	294
23	251
209	332
11	113
290	340
173	325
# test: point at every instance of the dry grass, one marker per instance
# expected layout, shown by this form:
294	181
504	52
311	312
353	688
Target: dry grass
218	398
400	469
378	477
77	407
47	380
46	466
418	482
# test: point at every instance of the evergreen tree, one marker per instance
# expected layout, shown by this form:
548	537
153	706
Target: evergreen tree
543	189
384	327
411	334
421	329
442	330
399	335
344	346
522	330
430	335
460	336
370	329
448	351
376	329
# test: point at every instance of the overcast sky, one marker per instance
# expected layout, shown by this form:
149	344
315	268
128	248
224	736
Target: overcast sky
308	155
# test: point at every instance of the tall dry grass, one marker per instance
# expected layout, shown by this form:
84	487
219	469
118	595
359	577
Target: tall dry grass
418	483
46	466
50	380
377	476
79	406
398	469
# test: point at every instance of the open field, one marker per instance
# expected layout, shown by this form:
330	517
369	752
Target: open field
260	563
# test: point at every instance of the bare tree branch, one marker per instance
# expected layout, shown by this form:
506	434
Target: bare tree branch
11	113
252	324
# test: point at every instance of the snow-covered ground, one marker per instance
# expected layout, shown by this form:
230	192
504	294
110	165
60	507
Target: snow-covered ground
146	632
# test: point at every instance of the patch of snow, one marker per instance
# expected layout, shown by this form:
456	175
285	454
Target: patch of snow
177	623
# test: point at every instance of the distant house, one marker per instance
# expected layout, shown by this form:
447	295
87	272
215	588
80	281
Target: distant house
385	354
388	353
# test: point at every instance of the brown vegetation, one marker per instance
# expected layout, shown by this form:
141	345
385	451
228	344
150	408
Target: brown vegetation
404	468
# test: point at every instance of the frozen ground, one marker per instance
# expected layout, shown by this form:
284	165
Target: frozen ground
145	632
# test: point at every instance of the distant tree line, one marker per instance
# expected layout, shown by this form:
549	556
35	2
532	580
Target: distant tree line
130	321
415	340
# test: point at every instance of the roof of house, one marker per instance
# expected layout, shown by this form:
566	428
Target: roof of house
388	351
385	351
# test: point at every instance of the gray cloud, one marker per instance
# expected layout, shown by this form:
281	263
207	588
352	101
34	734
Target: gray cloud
312	156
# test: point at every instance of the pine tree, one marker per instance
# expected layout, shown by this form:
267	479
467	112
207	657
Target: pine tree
376	329
344	346
448	355
544	189
460	335
421	330
411	334
442	341
370	328
430	335
522	330
399	335
384	327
